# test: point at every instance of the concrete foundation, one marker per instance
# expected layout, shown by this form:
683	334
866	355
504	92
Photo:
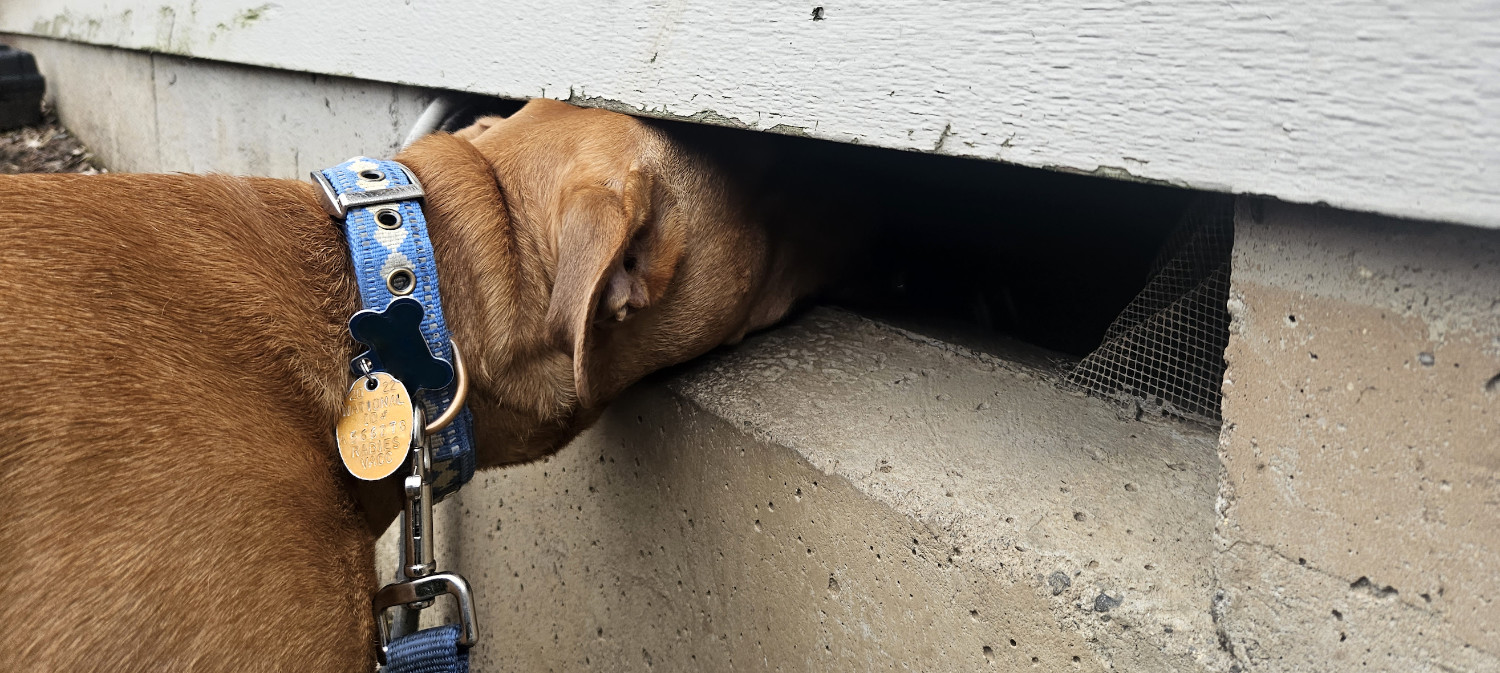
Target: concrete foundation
842	495
1361	445
147	112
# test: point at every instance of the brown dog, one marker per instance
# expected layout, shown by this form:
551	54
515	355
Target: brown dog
175	349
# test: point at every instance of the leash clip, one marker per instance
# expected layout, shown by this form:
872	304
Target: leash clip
423	583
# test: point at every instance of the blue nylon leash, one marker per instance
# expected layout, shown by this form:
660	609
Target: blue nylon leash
378	251
433	650
379	204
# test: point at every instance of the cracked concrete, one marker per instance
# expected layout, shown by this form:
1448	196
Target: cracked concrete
1361	521
1282	615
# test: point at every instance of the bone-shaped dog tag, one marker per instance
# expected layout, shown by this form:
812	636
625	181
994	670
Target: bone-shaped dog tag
394	336
374	433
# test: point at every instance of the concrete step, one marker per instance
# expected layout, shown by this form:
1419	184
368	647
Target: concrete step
839	494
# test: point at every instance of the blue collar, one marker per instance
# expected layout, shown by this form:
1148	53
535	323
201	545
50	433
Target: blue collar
379	203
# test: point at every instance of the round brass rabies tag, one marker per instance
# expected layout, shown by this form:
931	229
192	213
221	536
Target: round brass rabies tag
374	433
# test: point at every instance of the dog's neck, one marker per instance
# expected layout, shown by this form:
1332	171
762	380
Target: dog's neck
494	272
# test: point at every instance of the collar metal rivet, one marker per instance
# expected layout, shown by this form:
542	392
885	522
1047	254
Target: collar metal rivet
400	282
388	218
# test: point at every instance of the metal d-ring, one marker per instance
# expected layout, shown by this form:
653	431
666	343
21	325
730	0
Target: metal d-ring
460	392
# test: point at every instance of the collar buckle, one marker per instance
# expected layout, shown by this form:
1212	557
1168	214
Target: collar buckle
337	205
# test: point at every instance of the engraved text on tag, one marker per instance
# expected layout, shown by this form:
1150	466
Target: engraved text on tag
374	432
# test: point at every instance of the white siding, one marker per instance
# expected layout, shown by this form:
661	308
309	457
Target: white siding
1391	107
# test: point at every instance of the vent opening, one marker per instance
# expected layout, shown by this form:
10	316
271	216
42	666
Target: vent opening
1117	288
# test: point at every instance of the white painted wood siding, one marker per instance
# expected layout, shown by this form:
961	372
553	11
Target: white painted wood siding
1391	107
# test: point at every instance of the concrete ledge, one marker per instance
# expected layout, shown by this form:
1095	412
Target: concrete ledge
841	495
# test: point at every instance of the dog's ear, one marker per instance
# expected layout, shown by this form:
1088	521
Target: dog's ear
616	254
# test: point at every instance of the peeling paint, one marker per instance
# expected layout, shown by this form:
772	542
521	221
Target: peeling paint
701	116
1114	173
943	137
788	129
712	117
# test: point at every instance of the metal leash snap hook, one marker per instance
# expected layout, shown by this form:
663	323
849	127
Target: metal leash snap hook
424	583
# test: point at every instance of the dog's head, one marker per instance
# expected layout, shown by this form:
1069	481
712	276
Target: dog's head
622	250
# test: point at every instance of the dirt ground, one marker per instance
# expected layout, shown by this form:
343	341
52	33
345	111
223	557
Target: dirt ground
45	148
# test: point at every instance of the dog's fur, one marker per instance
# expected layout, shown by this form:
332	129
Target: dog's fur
174	349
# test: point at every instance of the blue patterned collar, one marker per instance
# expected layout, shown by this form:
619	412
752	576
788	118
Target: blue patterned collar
379	203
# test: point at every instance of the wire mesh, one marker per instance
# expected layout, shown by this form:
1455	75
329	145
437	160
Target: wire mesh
1165	352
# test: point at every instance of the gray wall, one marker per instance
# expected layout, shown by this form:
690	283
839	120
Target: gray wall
146	112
